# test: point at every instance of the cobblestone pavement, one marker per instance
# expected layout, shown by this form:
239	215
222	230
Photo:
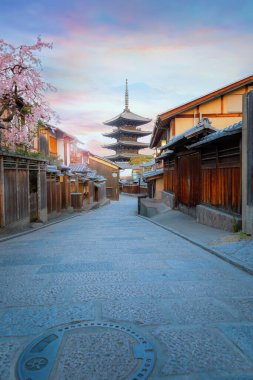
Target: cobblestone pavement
126	296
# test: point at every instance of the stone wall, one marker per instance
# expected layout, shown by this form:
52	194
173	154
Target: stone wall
168	199
218	219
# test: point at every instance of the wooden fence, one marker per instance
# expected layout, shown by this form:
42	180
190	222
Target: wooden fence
22	189
133	189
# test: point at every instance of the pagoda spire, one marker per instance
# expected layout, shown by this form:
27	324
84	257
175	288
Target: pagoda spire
126	98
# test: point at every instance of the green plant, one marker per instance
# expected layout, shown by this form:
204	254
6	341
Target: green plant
244	235
236	226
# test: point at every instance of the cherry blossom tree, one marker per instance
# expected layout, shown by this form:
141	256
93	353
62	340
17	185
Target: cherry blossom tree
22	93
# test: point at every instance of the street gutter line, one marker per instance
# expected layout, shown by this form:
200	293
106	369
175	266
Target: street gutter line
37	228
47	224
236	262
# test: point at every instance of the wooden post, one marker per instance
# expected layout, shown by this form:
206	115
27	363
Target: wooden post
2	205
247	163
28	187
38	192
17	190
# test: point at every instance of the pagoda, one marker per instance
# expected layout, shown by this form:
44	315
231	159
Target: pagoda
126	133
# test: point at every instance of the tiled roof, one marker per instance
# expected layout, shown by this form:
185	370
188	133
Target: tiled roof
147	164
164	154
126	143
79	168
103	159
152	173
52	169
92	174
126	116
202	125
232	129
121	156
126	130
100	178
124	165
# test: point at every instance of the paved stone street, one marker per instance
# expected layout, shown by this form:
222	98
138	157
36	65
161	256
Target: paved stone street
109	295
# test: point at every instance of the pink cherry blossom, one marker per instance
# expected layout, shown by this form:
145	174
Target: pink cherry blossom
22	93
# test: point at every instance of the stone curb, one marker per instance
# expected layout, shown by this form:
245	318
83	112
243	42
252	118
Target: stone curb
36	229
236	262
48	224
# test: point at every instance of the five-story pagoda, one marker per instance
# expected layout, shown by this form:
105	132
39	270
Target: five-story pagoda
126	133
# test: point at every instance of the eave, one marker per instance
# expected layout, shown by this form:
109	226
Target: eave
126	156
121	131
127	117
134	144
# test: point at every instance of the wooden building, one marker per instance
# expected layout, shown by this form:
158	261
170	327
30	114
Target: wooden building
202	174
89	184
223	107
56	143
78	155
109	170
155	184
220	192
47	141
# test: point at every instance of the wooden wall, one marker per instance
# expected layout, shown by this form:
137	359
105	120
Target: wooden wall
221	176
170	175
211	176
104	169
22	190
134	189
189	179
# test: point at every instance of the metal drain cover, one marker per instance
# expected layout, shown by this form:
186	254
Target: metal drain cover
87	350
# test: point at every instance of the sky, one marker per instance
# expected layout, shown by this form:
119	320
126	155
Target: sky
171	51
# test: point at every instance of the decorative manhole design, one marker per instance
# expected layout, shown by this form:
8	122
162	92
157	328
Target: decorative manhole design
35	364
40	360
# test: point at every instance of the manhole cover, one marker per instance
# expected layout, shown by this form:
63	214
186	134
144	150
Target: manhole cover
88	350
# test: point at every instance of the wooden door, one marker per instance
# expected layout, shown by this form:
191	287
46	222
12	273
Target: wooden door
189	179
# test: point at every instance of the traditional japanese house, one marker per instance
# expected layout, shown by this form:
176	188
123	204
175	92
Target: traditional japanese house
126	133
182	168
78	155
220	203
80	184
154	180
56	143
223	107
110	171
64	143
47	142
202	174
88	185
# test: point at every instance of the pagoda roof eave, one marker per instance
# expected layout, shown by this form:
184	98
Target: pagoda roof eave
134	144
127	117
128	132
126	156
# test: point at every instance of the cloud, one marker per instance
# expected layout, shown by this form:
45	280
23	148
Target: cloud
170	51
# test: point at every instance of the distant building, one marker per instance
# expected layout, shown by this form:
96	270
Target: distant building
126	133
110	170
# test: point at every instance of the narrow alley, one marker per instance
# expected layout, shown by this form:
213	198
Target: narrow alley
109	295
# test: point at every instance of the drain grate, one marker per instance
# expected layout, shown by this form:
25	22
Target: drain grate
38	359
